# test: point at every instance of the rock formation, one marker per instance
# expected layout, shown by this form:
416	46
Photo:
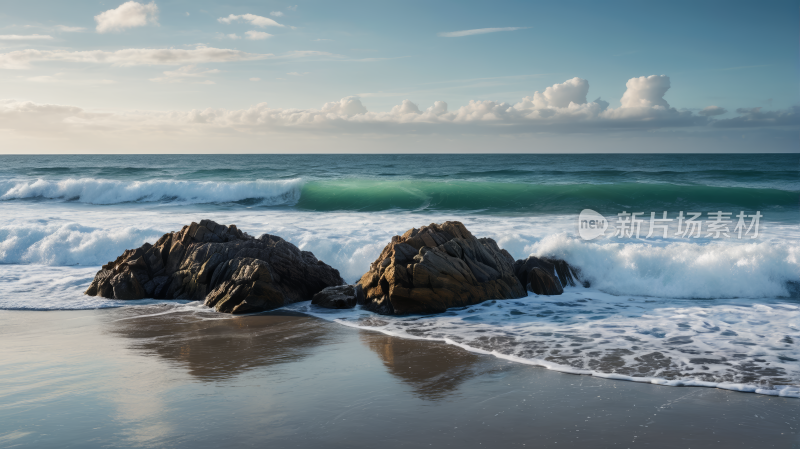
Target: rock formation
544	276
430	269
339	297
228	269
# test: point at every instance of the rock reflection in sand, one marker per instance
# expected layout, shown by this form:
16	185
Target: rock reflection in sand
434	370
214	347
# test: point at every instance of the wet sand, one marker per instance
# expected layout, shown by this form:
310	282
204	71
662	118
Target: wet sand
157	377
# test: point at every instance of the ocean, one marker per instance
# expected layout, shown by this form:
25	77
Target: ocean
709	309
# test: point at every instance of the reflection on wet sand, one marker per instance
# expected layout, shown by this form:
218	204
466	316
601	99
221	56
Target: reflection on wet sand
434	369
215	348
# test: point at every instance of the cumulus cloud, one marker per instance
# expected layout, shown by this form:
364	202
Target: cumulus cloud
276	14
710	111
22	59
463	33
25	37
257	35
346	107
127	15
259	21
646	92
558	95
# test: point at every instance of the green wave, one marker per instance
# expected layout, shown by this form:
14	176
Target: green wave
375	195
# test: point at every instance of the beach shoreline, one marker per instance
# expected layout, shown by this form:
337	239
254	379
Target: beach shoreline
160	375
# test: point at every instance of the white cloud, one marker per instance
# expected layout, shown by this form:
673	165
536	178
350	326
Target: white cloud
346	107
463	33
127	15
259	21
183	73
69	29
25	37
292	8
557	95
276	14
255	79
22	59
646	92
257	35
298	73
232	36
711	111
350	116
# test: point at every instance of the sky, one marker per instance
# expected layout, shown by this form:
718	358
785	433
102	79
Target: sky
438	76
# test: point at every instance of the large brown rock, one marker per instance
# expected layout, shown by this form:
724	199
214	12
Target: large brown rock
431	269
228	269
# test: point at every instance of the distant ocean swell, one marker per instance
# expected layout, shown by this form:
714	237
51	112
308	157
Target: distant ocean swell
379	195
676	270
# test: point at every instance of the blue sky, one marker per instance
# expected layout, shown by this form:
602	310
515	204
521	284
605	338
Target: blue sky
733	55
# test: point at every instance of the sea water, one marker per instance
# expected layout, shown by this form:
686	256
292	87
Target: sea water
713	310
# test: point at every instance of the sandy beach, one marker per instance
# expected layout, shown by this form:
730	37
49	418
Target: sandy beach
166	376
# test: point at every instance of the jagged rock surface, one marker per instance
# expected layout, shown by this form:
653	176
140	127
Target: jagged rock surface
221	265
339	297
545	276
431	269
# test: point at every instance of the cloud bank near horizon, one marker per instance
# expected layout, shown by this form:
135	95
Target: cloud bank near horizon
560	109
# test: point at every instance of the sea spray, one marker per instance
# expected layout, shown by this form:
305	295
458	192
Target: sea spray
725	269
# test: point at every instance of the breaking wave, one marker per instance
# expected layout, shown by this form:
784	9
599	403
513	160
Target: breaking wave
380	195
103	191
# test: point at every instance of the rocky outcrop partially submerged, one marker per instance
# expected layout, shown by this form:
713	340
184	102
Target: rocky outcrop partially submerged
439	266
545	276
431	269
220	265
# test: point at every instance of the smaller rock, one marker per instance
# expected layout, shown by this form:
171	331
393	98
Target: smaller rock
543	283
546	276
339	297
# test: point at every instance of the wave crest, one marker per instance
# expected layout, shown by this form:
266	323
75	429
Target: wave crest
680	270
102	191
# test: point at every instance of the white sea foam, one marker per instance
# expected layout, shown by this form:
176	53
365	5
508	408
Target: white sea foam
102	191
351	241
731	343
41	287
69	243
681	270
